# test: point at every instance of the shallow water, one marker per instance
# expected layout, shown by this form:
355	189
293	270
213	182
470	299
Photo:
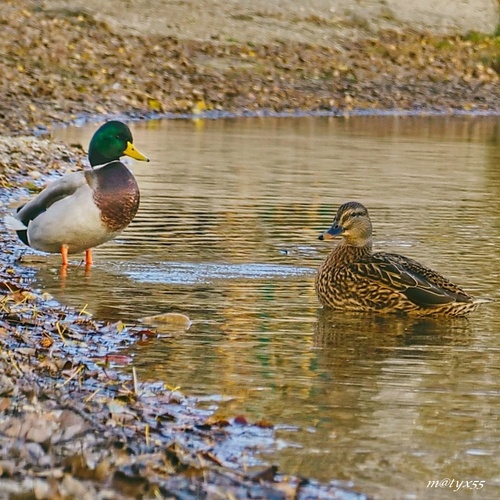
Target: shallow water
227	234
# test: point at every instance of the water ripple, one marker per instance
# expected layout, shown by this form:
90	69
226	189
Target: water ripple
185	273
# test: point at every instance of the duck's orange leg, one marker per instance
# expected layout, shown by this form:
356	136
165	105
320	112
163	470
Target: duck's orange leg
64	254
88	257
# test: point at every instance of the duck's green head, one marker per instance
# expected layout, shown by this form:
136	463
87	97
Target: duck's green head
112	141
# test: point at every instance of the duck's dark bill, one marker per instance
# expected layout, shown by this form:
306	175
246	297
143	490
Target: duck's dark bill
335	230
325	236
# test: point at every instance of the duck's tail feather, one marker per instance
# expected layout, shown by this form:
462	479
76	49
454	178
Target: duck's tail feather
14	224
483	300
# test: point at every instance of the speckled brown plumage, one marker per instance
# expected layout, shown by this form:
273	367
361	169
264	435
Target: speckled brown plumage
353	278
116	195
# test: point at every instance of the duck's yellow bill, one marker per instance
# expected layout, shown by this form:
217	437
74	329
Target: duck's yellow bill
133	153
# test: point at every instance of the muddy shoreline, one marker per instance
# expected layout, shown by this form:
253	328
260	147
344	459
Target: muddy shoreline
62	63
71	424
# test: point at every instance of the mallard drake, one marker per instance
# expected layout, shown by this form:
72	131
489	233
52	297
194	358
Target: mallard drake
353	278
82	210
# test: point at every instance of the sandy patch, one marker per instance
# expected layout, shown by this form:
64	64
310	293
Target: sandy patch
261	21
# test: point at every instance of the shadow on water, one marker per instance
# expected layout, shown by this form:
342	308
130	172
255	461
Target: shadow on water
227	234
369	335
387	383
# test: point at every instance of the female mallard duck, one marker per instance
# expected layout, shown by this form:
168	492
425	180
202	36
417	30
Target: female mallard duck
82	210
353	278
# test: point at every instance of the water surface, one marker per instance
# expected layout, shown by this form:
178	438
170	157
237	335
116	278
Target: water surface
227	234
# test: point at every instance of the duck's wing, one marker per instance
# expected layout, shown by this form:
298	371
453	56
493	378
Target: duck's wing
418	283
67	185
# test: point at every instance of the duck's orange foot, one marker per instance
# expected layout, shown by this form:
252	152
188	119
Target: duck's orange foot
88	257
64	254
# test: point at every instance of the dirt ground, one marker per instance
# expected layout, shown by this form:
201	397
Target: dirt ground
71	426
264	21
63	60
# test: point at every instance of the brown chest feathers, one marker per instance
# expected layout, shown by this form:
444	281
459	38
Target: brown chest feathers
116	194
